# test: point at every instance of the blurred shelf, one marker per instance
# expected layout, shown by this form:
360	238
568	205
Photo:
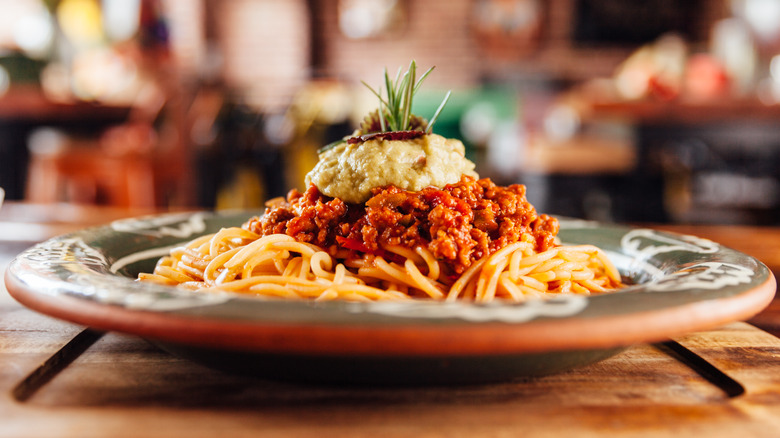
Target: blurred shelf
29	103
579	155
686	112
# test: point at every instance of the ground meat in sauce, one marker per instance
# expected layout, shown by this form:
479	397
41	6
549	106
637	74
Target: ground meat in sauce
459	224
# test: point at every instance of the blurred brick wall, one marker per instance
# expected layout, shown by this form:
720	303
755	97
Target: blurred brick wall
270	48
262	45
435	32
186	23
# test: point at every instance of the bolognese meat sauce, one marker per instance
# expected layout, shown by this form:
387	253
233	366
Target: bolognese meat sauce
459	224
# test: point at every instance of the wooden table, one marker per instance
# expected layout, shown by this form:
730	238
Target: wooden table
122	386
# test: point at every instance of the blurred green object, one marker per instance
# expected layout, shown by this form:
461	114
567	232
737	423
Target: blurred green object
503	101
501	104
21	68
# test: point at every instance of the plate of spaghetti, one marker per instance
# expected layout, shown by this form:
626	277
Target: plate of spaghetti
396	265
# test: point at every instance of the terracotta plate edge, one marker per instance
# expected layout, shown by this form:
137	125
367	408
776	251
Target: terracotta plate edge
403	340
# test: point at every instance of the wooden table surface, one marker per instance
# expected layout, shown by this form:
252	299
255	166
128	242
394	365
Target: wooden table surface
123	386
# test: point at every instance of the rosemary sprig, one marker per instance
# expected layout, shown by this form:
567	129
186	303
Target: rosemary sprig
438	111
395	110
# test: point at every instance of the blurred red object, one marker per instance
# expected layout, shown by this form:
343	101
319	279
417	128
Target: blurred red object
663	90
706	78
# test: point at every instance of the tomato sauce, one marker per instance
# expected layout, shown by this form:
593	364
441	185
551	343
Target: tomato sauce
459	224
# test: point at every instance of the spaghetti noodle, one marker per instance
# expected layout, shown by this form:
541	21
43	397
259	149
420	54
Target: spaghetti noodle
237	260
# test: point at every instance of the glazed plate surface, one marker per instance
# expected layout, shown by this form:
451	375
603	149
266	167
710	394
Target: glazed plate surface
680	284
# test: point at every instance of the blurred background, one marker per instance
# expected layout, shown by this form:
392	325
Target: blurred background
656	111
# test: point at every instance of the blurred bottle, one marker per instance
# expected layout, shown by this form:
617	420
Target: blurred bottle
733	46
237	167
319	114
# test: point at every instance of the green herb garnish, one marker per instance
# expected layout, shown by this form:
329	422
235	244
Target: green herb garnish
395	111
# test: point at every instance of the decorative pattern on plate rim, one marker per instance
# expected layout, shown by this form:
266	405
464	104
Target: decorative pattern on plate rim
557	307
85	271
645	243
65	252
182	225
707	275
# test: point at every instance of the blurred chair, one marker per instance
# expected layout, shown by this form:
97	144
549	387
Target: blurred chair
140	163
116	169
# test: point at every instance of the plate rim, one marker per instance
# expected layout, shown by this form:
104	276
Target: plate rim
405	340
454	336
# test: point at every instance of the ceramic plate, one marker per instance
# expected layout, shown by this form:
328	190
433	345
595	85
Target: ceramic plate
680	284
